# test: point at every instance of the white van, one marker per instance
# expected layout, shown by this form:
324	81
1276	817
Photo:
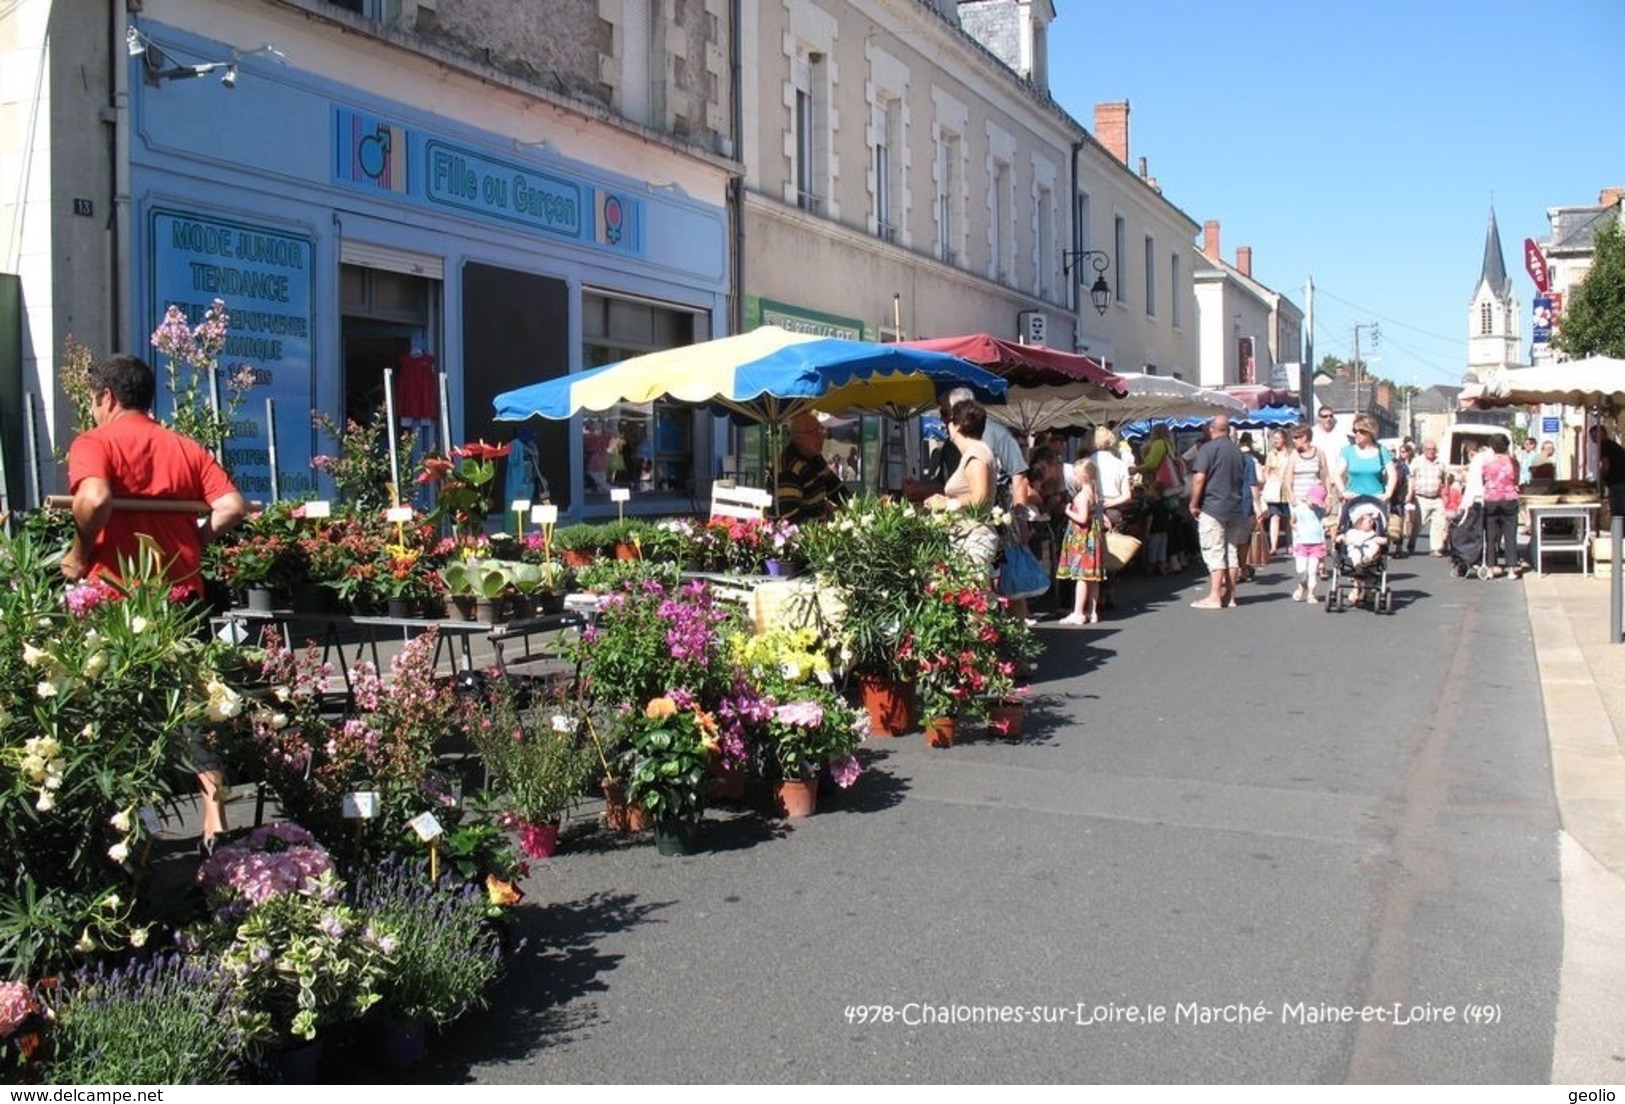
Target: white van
1453	444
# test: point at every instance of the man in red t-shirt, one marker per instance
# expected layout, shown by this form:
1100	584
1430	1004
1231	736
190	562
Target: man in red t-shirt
129	455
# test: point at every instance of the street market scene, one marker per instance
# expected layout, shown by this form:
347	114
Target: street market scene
717	543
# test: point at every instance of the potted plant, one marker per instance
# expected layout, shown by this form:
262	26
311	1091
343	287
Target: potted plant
444	957
458	576
492	582
402	580
668	750
538	762
806	724
301	958
578	544
465	480
624	537
949	643
163	1020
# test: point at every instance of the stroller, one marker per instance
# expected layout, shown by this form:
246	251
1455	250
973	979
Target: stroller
1469	545
1368	578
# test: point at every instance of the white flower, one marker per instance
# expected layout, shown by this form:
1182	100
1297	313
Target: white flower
33	656
46	802
85	944
562	723
88	732
224	702
138	937
139	624
282	693
119	851
112	902
120	820
46	689
279	720
95	664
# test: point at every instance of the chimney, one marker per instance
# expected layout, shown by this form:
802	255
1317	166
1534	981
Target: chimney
1111	128
1145	169
1210	239
1244	260
1610	197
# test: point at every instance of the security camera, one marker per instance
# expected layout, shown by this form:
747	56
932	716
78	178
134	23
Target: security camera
229	77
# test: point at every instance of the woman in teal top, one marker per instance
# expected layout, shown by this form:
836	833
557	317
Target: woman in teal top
1367	470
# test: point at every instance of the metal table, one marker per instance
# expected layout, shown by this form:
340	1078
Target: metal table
1542	544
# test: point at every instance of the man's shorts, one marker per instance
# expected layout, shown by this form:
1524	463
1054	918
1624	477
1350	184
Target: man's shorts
1220	540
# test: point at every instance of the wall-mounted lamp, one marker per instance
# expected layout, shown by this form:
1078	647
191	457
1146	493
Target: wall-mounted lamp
1100	292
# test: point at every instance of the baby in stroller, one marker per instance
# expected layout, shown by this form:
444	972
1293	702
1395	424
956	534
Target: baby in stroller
1361	561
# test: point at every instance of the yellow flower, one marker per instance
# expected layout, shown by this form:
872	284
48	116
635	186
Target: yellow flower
659	709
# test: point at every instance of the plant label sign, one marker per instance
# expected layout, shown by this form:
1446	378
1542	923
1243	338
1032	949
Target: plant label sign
361	806
426	826
545	514
620	494
398	514
318	508
520	505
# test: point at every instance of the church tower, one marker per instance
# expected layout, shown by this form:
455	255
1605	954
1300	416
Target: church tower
1492	317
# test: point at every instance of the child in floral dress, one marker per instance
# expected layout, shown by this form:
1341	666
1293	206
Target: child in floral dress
1083	550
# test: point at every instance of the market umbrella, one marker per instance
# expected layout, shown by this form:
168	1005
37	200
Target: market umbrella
768	375
1045	384
1592	381
1269	417
1147	397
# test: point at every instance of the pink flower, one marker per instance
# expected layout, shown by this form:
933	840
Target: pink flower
800	714
16	1005
845	773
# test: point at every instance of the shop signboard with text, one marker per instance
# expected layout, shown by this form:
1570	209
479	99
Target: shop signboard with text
263	276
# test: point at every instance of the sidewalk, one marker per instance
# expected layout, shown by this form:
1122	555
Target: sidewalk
1582	681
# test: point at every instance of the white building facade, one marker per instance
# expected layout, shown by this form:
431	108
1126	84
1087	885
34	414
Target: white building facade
1249	333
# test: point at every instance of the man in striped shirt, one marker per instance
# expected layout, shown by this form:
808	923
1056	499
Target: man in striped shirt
1426	487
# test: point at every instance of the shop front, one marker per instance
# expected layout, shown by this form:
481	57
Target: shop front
369	251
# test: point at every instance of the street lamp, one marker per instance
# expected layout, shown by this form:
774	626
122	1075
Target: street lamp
1100	292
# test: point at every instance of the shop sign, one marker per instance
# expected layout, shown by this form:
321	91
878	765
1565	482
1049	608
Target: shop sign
263	275
765	312
399	164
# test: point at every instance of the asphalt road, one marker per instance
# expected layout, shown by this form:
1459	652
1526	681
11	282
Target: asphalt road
1226	838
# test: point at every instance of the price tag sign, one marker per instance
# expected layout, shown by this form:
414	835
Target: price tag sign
545	514
520	505
398	514
318	508
825	677
563	723
620	494
426	826
361	806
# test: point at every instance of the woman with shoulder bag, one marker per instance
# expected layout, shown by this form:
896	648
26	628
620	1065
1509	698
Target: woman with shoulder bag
1163	476
1277	489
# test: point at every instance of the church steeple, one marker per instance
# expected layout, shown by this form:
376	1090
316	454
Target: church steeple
1495	269
1492	316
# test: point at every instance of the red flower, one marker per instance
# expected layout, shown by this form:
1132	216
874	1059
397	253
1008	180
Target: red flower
435	468
480	450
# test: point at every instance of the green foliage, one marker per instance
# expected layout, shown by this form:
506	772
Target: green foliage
97	687
192	355
580	537
360	472
1593	322
445	954
538	759
667	758
163	1021
875	556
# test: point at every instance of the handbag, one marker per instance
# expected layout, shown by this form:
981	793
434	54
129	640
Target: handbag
1120	550
1168	477
1272	489
1022	576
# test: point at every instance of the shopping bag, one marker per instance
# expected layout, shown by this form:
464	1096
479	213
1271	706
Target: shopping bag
1022	576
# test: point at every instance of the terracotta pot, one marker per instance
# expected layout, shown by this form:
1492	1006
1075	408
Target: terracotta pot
619	814
939	731
797	797
1004	720
575	557
890	703
627	552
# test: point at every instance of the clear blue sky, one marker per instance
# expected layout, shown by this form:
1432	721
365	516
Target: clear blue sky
1362	143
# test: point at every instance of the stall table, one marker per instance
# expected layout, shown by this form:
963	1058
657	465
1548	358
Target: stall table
1561	527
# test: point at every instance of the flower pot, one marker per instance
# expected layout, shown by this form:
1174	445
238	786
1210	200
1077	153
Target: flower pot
574	557
538	839
259	600
619	814
797	797
461	607
773	567
551	601
939	731
626	551
397	1044
676	837
492	611
725	782
311	598
399	608
890	704
1004	720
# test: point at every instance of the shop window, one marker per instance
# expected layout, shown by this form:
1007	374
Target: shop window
654	449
